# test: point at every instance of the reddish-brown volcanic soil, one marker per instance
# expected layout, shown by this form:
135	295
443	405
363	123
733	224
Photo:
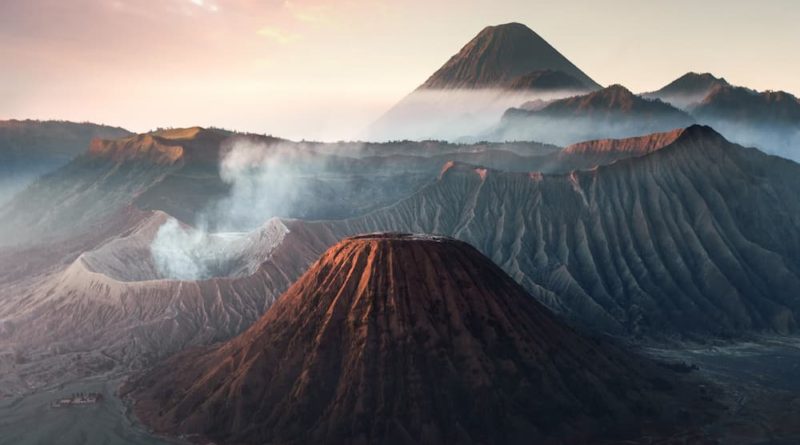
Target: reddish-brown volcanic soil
395	338
636	146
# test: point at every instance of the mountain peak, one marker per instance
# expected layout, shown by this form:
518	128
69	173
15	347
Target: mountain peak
401	338
740	104
614	97
692	82
688	89
498	55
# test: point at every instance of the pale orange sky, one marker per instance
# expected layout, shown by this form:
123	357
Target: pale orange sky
326	69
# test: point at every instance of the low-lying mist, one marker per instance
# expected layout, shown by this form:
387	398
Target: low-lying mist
453	115
570	130
776	139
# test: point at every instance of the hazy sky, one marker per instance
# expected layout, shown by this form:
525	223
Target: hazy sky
325	69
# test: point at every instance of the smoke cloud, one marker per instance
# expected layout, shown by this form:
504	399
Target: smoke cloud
265	181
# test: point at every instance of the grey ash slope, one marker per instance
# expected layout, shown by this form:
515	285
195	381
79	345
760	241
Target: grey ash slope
701	237
500	54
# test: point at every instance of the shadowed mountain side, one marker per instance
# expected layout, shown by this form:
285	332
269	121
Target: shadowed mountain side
745	105
393	338
30	149
548	80
612	112
769	120
687	90
697	238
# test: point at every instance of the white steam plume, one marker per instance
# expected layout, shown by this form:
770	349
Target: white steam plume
264	181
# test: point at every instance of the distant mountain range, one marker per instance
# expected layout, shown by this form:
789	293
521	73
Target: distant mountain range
613	112
687	90
679	235
29	149
498	85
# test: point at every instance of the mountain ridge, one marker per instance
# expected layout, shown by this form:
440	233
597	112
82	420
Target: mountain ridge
404	338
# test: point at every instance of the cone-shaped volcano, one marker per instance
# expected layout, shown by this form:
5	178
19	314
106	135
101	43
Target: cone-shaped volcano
394	338
499	54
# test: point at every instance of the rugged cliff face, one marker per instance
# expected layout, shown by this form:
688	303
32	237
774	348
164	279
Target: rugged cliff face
397	338
698	237
682	235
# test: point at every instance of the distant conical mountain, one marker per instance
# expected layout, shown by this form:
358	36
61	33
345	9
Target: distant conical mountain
502	67
613	112
500	54
688	89
398	338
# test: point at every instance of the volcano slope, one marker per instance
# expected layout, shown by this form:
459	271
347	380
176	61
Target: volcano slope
698	237
397	338
93	288
115	308
180	172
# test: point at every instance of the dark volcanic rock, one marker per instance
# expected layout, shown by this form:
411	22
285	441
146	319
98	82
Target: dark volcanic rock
698	237
395	338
